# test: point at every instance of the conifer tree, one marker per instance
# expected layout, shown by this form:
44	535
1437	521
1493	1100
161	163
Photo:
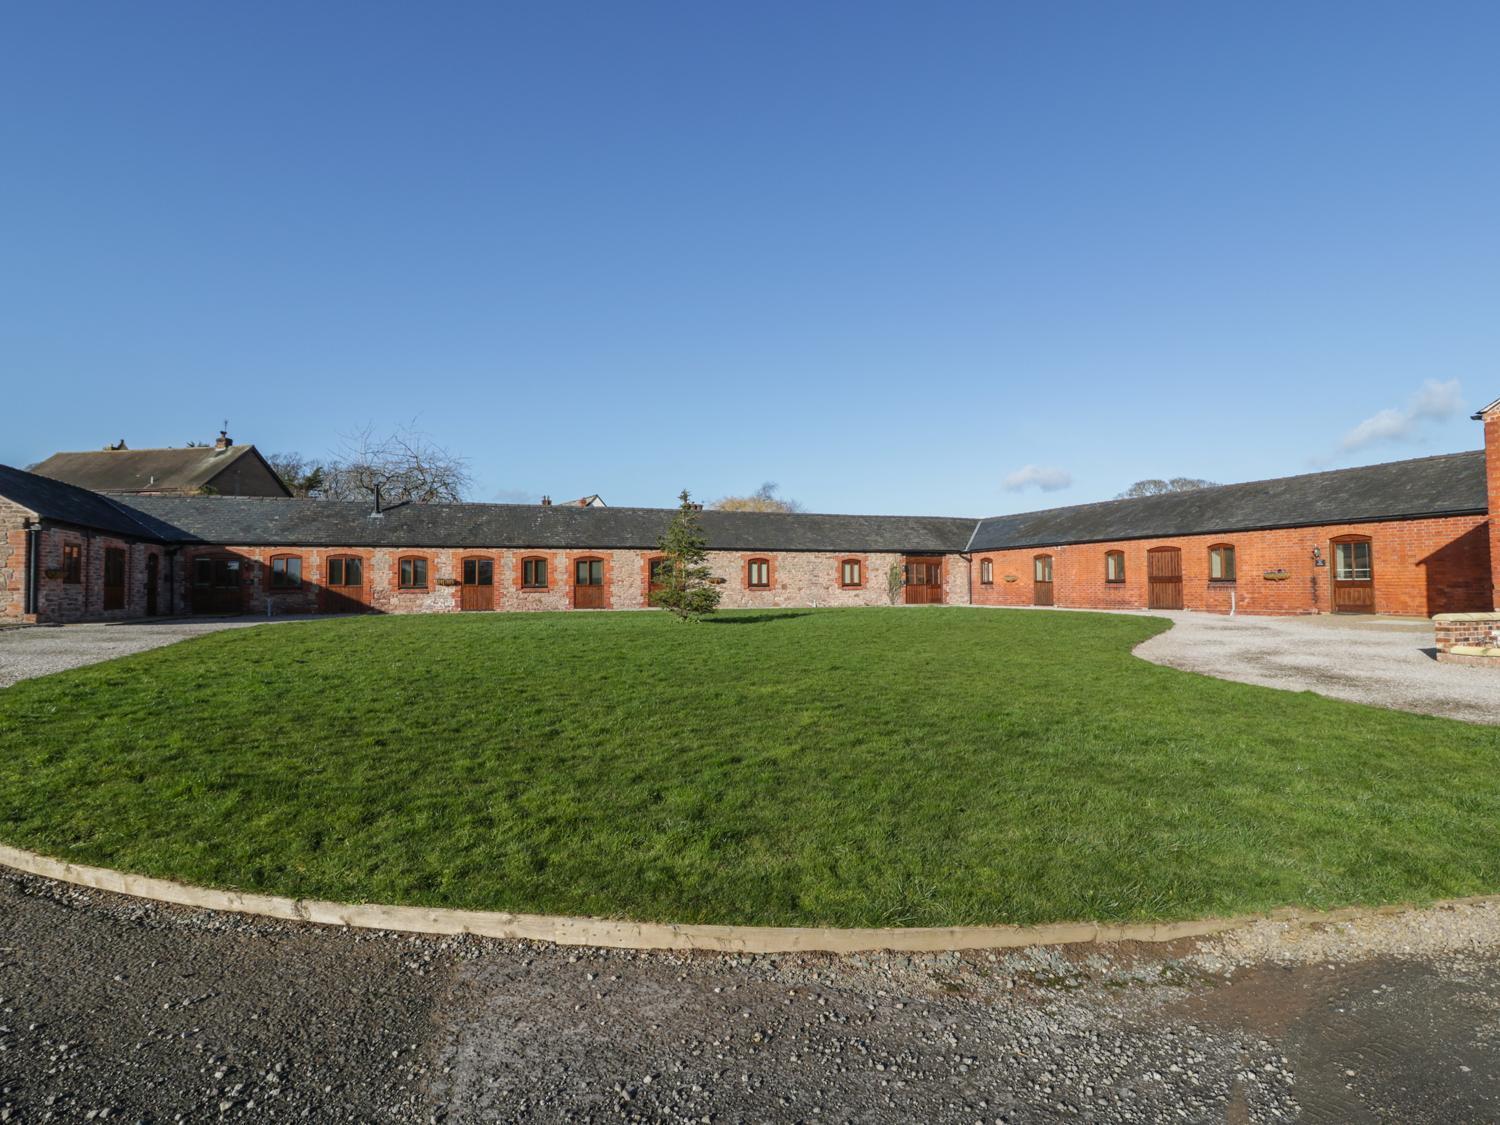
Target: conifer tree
683	582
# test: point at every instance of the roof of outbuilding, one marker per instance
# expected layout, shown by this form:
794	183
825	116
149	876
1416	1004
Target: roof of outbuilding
1450	484
66	503
145	470
255	521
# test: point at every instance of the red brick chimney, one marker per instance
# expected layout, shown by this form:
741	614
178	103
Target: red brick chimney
224	441
546	501
1490	416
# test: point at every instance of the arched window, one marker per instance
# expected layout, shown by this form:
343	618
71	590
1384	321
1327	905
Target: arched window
534	573
1114	566
758	574
986	572
286	572
851	574
411	572
345	570
1221	563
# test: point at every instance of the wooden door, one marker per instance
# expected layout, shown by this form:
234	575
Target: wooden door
1041	580
114	578
344	585
1353	576
658	577
1164	577
153	564
216	585
479	584
924	581
588	584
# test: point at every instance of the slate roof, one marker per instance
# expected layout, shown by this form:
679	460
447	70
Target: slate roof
267	521
139	470
66	503
1451	484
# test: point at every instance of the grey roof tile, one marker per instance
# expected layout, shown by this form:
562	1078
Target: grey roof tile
66	503
136	470
1450	484
251	521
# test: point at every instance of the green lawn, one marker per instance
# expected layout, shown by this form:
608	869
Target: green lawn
848	767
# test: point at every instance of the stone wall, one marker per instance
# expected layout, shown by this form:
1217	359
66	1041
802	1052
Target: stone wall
1420	567
798	578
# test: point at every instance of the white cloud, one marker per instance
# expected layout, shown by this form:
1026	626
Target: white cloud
1434	402
1037	476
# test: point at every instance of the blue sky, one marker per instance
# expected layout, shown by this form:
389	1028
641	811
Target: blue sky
889	255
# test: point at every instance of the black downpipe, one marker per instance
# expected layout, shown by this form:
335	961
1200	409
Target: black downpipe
33	560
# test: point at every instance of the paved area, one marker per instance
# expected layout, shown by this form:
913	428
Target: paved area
1381	660
42	650
116	1010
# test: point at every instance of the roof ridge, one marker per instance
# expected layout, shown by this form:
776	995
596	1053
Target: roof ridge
566	507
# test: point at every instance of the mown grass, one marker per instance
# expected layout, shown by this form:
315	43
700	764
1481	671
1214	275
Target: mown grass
845	767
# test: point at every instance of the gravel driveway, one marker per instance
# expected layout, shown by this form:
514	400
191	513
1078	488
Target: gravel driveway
116	1010
41	650
1386	661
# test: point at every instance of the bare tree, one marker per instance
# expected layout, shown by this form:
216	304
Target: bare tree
406	464
763	499
1155	487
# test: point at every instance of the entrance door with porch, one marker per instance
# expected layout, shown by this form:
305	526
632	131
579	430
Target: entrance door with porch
1041	580
153	564
344	585
479	584
924	581
1353	575
588	584
1164	577
216	585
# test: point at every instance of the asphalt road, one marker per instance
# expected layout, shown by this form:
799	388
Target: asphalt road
131	1012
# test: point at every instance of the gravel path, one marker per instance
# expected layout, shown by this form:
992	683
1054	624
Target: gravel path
1381	660
42	650
115	1010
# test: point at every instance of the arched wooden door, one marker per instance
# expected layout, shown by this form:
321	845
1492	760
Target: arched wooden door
658	576
588	584
924	581
1164	577
1353	575
344	589
216	584
1041	580
478	591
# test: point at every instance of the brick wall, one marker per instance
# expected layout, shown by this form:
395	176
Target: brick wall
1420	567
1480	630
13	520
62	602
1492	470
797	578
